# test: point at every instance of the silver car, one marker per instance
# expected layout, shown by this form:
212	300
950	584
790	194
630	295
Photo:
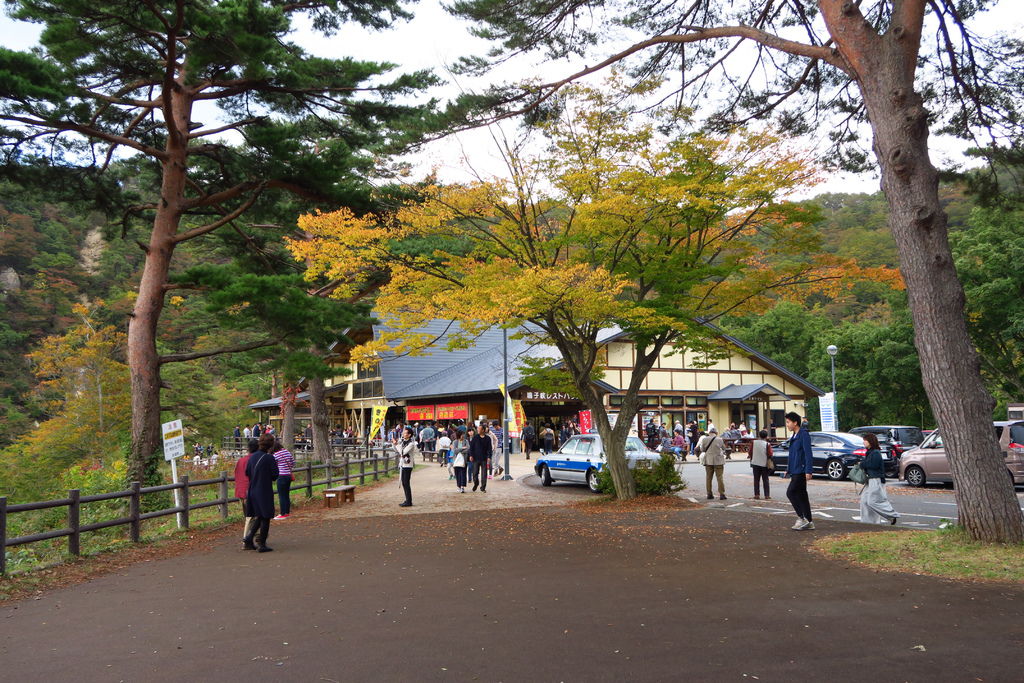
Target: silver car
582	457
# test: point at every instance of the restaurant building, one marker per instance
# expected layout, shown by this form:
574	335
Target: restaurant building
463	384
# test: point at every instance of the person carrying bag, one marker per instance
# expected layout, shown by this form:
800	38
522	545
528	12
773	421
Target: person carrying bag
712	456
761	463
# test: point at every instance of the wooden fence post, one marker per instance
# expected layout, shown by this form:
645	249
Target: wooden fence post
376	467
134	508
3	535
330	479
309	479
347	463
224	495
185	491
362	471
74	521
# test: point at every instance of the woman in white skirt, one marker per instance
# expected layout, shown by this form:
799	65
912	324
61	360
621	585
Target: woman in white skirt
874	503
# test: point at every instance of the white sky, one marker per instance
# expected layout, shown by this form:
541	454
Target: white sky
434	39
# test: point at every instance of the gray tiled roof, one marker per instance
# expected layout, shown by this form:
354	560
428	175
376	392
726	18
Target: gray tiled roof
742	392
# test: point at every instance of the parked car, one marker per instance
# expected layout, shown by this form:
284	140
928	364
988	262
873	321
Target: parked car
834	454
901	438
929	464
582	457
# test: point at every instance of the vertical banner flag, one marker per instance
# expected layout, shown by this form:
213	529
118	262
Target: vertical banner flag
827	409
377	420
586	422
509	413
520	415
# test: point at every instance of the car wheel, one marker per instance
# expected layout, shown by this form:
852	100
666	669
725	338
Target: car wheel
835	469
914	476
592	480
545	476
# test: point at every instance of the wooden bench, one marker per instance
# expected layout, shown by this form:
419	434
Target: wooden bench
334	497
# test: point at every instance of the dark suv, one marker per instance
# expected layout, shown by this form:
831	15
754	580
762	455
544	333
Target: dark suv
900	438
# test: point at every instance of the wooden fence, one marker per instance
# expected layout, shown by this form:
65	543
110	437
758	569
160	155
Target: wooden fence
336	472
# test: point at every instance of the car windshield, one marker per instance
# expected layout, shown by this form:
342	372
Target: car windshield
909	435
635	445
933	440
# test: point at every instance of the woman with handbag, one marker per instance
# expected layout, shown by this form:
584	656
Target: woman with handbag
459	450
874	503
761	462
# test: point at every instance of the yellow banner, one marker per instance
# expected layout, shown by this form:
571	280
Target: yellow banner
518	416
377	420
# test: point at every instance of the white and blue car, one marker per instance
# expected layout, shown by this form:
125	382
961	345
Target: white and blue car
582	457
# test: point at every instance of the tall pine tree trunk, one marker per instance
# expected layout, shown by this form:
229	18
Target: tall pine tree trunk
321	420
884	67
143	359
288	396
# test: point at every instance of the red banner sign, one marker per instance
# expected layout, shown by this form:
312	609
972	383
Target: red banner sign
586	421
452	411
418	413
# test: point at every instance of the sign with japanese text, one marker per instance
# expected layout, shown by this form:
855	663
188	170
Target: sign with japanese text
174	440
452	411
418	413
586	422
377	420
545	396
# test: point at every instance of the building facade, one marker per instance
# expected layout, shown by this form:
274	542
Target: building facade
463	384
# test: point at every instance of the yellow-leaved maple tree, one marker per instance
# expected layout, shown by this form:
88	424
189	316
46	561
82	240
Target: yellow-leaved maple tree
617	223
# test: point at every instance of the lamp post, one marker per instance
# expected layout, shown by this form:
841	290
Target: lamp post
506	442
832	350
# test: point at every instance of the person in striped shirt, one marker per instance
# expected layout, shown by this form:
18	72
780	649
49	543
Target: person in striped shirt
285	465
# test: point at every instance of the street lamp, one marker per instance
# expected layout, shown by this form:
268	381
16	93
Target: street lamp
832	350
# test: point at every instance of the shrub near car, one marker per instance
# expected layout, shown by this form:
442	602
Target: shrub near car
834	454
929	464
582	457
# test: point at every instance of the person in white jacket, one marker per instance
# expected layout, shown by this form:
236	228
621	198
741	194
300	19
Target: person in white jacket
712	455
406	448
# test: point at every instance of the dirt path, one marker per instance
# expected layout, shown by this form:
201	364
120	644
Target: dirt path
524	593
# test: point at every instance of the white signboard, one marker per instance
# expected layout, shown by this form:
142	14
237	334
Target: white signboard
827	407
174	440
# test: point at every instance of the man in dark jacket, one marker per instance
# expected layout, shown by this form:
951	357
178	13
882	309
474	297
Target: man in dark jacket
800	469
261	471
480	452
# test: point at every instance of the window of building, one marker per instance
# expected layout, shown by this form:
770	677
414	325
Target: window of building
671	400
696	400
615	400
367	370
372	389
648	400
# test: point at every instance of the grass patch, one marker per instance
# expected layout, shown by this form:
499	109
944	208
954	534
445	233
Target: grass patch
948	553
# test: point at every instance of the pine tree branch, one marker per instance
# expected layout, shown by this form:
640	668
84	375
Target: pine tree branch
249	346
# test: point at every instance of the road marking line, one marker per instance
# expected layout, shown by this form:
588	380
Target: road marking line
692	500
822	514
758	507
733	505
904	514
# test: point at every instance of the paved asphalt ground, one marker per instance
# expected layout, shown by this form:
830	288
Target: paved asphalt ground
494	593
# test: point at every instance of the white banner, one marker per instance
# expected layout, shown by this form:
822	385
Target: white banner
827	409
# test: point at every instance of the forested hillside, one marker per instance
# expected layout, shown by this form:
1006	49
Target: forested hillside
877	375
69	276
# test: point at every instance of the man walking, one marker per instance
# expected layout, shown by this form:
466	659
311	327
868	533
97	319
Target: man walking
528	438
799	470
480	453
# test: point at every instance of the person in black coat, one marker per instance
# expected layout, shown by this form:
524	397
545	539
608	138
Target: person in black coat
480	452
262	471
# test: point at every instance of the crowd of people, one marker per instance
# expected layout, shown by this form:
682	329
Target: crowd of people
266	463
471	453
